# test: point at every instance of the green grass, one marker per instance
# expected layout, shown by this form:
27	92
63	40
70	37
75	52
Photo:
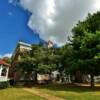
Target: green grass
63	91
71	93
17	94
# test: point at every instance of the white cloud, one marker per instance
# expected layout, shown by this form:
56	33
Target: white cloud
10	13
54	19
6	55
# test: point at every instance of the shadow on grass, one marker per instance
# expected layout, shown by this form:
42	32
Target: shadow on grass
60	87
69	87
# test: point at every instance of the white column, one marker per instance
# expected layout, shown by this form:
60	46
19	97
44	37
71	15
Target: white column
7	72
0	69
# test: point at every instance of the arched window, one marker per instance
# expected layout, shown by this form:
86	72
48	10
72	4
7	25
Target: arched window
4	71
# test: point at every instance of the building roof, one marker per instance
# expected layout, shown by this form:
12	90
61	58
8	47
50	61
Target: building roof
24	44
4	63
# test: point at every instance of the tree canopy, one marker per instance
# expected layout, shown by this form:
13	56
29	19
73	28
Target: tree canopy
86	46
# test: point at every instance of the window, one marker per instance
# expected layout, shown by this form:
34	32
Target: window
4	71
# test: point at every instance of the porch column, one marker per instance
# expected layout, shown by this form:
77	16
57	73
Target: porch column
0	69
7	72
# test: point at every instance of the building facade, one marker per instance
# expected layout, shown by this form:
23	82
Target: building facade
4	70
21	48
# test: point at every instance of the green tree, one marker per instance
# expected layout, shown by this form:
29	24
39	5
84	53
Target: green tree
86	46
26	65
40	59
7	59
45	59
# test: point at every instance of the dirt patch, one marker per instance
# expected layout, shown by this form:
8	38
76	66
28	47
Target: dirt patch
42	94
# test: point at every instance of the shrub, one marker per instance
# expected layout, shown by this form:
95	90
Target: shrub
4	84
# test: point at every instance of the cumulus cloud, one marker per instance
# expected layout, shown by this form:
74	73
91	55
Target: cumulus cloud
54	19
6	55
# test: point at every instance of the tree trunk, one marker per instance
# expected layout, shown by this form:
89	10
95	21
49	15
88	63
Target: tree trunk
35	77
92	80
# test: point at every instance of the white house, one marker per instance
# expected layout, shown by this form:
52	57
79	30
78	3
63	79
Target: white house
4	69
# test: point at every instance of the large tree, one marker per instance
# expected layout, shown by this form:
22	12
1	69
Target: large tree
40	60
86	46
45	59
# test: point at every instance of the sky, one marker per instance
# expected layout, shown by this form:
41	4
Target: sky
13	27
30	20
54	19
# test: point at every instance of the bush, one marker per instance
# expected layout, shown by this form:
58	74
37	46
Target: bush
4	85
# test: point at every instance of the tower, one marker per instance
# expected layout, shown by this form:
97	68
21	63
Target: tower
50	44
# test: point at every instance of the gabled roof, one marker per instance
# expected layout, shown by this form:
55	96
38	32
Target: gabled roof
4	63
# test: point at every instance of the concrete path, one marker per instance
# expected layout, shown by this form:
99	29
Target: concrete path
42	94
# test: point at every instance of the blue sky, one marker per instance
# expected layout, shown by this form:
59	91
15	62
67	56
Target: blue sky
13	27
52	19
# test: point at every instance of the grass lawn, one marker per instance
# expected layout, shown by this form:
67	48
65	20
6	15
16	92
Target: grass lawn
62	91
17	94
71	93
